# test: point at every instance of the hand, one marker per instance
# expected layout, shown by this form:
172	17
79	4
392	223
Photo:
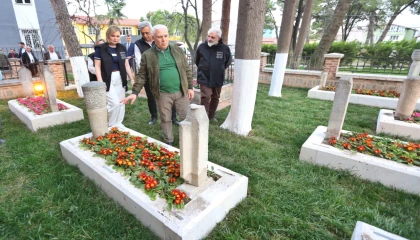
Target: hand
190	94
131	97
132	82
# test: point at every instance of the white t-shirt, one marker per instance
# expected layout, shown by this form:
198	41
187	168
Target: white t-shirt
53	56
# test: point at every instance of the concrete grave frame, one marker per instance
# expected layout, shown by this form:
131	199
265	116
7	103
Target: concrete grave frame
371	168
387	124
34	122
367	100
209	203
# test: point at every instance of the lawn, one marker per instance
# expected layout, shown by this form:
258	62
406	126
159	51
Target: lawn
42	197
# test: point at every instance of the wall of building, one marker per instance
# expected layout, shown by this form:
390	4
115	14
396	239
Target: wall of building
48	25
8	25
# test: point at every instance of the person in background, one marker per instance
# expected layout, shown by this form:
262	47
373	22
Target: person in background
4	61
142	45
30	61
12	54
22	49
212	59
130	49
51	54
166	70
111	66
91	63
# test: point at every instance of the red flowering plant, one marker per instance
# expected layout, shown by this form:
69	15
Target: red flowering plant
394	150
150	167
415	118
379	93
39	105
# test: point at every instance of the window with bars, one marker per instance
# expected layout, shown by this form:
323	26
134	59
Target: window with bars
32	38
91	31
125	30
394	38
23	1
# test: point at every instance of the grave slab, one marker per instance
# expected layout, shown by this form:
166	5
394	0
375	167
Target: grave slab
209	205
364	231
387	124
34	122
367	100
371	168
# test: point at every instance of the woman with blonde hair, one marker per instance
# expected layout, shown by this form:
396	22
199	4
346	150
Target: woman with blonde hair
112	67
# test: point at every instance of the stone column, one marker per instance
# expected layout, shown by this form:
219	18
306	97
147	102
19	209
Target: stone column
95	101
332	61
49	88
339	107
263	61
25	77
409	96
56	67
194	135
415	65
323	81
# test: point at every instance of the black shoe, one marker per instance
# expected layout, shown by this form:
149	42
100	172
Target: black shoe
152	121
175	122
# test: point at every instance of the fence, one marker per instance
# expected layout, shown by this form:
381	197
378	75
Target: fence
229	73
301	62
396	66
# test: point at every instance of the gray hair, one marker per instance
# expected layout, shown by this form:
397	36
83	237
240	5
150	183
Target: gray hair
159	27
50	46
145	24
215	30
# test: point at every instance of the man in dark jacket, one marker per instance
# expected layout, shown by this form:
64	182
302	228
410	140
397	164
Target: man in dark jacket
140	46
51	54
30	61
22	49
166	70
212	59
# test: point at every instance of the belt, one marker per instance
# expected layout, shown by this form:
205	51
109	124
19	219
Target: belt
115	70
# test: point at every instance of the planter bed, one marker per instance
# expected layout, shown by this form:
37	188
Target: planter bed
387	124
367	167
34	122
374	101
209	203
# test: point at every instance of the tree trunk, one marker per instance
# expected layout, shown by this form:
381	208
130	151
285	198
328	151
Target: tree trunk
296	26
251	15
371	26
225	20
206	24
327	39
304	28
282	48
77	60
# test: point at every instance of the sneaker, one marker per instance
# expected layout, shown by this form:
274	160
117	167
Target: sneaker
152	121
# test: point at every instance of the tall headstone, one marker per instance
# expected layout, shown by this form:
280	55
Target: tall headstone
409	96
95	101
25	77
194	137
415	65
339	107
49	86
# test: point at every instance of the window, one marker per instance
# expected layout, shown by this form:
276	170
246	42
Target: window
32	38
23	1
125	30
394	38
91	31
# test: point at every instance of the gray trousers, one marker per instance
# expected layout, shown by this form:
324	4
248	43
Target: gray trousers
165	102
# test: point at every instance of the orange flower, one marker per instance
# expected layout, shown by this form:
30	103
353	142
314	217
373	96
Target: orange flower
377	151
361	148
333	141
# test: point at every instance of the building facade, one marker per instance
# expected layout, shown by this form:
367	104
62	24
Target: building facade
30	21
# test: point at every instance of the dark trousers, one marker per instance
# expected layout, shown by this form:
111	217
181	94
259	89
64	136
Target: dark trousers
210	99
151	102
33	67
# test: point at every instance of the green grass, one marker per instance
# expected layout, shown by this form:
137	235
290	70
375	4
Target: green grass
42	197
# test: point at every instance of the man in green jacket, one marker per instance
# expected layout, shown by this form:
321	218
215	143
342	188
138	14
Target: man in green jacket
166	70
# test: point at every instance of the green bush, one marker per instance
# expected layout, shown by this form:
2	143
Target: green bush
269	48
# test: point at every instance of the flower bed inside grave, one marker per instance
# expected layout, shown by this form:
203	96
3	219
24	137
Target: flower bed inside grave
394	150
39	105
150	167
415	118
379	93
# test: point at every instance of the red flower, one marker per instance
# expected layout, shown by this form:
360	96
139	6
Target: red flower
361	148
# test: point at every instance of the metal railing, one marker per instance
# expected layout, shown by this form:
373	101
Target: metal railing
396	66
300	62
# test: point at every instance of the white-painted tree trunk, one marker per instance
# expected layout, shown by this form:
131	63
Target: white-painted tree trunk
80	73
243	98
278	74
